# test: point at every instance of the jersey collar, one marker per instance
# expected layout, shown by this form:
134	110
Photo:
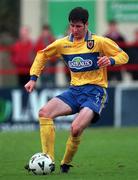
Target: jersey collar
87	37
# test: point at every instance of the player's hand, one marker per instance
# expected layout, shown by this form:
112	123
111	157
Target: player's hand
30	86
103	61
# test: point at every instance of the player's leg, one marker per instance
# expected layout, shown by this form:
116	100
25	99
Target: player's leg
82	120
92	100
47	113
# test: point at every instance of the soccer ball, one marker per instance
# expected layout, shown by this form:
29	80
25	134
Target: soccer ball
41	164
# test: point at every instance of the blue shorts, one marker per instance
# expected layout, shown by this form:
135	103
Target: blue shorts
91	96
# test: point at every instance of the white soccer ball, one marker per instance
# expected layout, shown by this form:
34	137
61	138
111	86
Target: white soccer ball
41	164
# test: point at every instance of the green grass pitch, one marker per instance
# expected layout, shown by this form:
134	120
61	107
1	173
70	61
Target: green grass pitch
104	154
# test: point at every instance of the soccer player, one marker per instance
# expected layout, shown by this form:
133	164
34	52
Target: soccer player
87	56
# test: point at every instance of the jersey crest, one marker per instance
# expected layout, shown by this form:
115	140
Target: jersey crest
90	44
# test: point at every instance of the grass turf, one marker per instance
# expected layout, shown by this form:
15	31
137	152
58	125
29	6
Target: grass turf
104	154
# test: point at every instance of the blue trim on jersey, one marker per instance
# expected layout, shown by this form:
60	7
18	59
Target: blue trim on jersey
87	37
112	61
71	37
33	77
82	62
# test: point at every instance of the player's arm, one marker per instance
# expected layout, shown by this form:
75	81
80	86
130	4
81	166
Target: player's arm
113	54
39	64
41	59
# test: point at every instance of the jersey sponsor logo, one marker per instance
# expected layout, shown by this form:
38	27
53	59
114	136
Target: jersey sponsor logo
79	63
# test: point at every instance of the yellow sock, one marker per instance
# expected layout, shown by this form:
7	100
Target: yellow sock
71	148
47	135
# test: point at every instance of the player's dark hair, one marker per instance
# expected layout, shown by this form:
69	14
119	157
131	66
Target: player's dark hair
78	14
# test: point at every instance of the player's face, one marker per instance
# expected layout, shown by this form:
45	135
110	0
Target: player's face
78	29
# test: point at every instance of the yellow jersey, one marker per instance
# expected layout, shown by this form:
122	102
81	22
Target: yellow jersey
81	58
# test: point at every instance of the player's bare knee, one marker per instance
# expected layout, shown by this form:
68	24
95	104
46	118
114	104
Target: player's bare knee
44	113
75	130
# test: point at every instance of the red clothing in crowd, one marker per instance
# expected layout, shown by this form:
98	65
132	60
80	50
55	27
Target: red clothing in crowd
22	54
42	42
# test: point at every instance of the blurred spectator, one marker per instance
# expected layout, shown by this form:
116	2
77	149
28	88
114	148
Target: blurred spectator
46	37
132	50
114	34
136	38
22	55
